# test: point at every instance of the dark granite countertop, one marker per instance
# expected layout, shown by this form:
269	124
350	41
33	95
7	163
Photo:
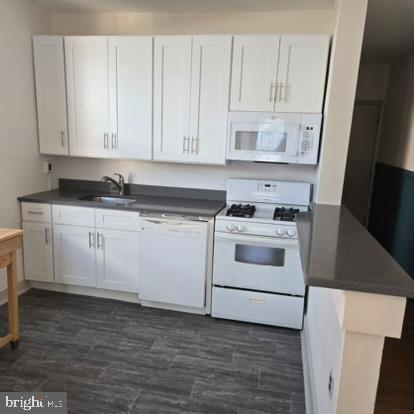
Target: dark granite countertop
151	199
338	252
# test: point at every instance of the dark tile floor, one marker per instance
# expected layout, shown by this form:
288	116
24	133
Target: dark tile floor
115	357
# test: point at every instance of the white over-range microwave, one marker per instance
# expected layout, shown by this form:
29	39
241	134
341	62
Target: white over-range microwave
274	137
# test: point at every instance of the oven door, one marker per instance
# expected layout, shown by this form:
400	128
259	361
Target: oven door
258	263
265	140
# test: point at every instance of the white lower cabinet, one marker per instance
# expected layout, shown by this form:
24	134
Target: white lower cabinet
38	251
75	255
117	260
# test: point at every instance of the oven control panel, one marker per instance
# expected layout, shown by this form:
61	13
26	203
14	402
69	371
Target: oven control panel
256	229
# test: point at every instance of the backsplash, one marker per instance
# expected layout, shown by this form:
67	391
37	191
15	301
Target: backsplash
176	175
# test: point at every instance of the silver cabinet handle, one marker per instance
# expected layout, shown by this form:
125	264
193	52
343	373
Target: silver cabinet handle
62	137
186	145
99	241
106	140
47	238
91	240
282	92
194	145
34	212
114	141
272	94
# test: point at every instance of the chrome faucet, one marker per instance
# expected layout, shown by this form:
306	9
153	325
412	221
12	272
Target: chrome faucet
120	185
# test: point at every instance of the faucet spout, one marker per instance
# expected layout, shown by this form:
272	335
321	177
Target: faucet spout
120	185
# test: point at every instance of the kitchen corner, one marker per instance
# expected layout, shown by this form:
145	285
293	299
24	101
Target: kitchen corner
356	298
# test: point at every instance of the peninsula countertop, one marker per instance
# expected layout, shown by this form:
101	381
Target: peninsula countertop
171	200
338	252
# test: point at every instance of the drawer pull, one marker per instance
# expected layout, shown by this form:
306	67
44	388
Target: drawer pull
35	212
47	238
257	301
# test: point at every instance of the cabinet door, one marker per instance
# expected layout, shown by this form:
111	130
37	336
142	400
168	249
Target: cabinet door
210	89
51	94
74	250
117	260
130	80
254	73
172	77
302	72
38	251
88	99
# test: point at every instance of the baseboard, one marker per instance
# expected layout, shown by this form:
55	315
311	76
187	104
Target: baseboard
307	372
22	286
87	291
177	308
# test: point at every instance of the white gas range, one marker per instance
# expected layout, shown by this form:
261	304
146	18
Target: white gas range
257	272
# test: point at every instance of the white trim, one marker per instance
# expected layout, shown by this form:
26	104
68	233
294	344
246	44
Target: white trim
87	291
308	380
22	286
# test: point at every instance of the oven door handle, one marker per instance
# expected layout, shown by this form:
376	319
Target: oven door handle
273	241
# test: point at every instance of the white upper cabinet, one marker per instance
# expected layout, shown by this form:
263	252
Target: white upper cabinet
172	82
210	85
301	75
88	95
279	73
191	96
130	96
51	94
254	73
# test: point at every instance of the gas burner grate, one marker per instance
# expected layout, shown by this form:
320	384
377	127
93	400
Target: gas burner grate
285	214
241	210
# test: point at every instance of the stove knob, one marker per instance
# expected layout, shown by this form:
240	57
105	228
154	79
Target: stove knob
291	233
280	232
240	228
231	227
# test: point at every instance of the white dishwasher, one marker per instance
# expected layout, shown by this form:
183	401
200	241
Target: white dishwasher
173	261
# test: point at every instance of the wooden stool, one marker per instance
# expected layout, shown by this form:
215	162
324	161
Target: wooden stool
10	241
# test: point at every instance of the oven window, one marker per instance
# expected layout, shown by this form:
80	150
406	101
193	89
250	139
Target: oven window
273	141
259	255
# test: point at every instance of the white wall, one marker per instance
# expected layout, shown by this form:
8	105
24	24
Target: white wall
20	162
397	134
181	175
346	51
306	21
372	82
177	175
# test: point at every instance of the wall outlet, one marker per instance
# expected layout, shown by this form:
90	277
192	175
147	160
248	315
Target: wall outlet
331	384
47	167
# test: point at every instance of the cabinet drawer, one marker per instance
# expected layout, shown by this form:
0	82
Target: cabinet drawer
250	306
36	212
74	216
119	220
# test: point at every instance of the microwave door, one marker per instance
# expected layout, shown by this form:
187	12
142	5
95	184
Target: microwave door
274	141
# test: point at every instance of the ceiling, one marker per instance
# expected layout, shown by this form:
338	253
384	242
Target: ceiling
389	30
159	6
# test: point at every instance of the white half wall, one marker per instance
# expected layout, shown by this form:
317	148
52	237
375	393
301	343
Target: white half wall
21	169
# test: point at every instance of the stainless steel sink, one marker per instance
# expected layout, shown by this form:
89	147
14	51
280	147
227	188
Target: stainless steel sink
112	200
